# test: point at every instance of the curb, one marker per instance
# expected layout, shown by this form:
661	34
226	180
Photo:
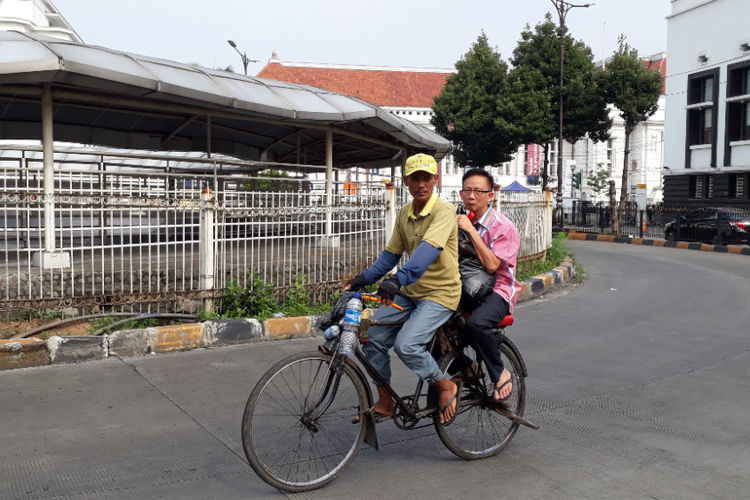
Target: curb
25	353
572	235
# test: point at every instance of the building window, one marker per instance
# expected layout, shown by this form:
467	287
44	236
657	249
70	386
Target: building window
610	154
738	111
739	81
710	187
696	187
737	186
700	126
553	157
702	92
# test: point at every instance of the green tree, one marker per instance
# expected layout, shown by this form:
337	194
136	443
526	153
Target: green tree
475	109
536	74
598	180
635	91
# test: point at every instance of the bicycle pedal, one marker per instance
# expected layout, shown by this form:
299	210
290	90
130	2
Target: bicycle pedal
376	417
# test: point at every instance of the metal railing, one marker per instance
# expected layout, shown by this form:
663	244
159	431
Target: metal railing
715	226
172	241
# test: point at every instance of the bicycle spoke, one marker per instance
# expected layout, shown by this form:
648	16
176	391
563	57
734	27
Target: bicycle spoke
301	432
478	430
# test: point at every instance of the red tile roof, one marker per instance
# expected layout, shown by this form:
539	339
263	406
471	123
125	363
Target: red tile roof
658	65
378	86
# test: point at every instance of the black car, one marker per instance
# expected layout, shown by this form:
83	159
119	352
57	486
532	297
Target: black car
715	226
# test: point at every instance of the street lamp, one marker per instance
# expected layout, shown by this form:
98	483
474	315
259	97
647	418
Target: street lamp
244	57
563	8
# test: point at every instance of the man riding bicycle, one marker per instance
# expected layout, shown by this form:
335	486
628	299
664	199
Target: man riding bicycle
496	242
426	230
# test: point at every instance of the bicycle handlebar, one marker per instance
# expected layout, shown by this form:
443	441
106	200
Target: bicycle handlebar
375	298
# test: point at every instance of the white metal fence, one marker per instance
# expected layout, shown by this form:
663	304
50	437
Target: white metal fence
170	240
530	212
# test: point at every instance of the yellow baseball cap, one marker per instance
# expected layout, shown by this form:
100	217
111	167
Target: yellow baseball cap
422	162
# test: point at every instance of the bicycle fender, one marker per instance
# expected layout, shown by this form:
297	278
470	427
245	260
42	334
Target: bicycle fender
371	435
503	339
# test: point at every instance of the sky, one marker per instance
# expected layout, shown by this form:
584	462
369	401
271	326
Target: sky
409	33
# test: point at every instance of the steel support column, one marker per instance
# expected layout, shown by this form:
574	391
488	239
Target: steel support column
49	258
329	182
48	147
206	245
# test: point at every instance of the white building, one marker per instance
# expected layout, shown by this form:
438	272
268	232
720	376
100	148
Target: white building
36	16
409	92
707	159
644	165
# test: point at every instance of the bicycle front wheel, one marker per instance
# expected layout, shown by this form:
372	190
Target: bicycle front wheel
479	431
298	428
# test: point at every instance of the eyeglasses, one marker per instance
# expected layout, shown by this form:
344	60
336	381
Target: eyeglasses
476	192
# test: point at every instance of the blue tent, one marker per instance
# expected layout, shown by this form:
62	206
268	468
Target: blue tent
515	186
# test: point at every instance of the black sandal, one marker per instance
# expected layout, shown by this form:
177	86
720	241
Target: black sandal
512	381
457	399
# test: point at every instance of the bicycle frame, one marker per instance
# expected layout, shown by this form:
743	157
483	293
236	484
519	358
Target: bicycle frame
409	410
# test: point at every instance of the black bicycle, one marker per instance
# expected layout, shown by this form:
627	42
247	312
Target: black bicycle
309	414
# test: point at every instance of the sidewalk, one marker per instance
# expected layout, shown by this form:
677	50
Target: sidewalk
572	235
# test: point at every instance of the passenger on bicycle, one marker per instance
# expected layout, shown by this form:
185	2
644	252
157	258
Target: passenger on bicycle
496	242
426	230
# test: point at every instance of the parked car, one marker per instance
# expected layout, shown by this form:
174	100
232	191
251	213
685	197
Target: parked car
715	226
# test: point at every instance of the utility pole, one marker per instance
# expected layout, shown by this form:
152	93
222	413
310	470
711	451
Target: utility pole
243	55
562	8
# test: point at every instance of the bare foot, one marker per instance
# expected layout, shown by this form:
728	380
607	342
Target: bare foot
447	389
504	392
385	404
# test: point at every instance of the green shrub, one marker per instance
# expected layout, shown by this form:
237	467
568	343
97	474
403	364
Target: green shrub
254	301
258	301
555	255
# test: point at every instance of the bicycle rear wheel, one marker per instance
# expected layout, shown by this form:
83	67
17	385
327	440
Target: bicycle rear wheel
479	431
297	429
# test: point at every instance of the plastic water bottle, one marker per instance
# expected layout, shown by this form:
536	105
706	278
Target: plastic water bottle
352	318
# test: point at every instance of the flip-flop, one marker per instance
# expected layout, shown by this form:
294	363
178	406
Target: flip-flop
457	399
512	381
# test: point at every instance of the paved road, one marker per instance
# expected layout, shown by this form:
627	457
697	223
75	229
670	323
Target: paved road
639	379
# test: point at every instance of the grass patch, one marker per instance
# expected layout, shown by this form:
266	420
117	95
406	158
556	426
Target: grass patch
579	276
555	255
257	300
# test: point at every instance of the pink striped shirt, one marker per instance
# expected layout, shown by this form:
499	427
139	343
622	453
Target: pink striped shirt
501	236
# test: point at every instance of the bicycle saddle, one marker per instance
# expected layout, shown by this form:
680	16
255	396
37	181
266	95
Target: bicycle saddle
507	321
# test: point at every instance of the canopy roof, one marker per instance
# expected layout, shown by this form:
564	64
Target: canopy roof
515	186
112	98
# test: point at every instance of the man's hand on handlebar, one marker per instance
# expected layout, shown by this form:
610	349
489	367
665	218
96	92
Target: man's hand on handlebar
388	290
355	283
